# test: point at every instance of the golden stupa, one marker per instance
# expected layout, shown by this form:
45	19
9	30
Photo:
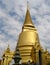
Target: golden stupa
27	39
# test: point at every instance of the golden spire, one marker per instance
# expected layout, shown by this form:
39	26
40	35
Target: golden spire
28	20
8	49
46	50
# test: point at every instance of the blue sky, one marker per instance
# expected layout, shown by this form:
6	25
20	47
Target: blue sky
12	15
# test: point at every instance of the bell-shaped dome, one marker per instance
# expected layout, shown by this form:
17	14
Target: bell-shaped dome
27	38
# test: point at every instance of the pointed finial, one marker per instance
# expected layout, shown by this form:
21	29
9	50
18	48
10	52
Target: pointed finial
8	49
8	45
27	4
46	49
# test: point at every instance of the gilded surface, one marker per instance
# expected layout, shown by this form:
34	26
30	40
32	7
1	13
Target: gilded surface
7	57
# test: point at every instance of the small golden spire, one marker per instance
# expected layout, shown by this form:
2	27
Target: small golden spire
46	49
8	49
